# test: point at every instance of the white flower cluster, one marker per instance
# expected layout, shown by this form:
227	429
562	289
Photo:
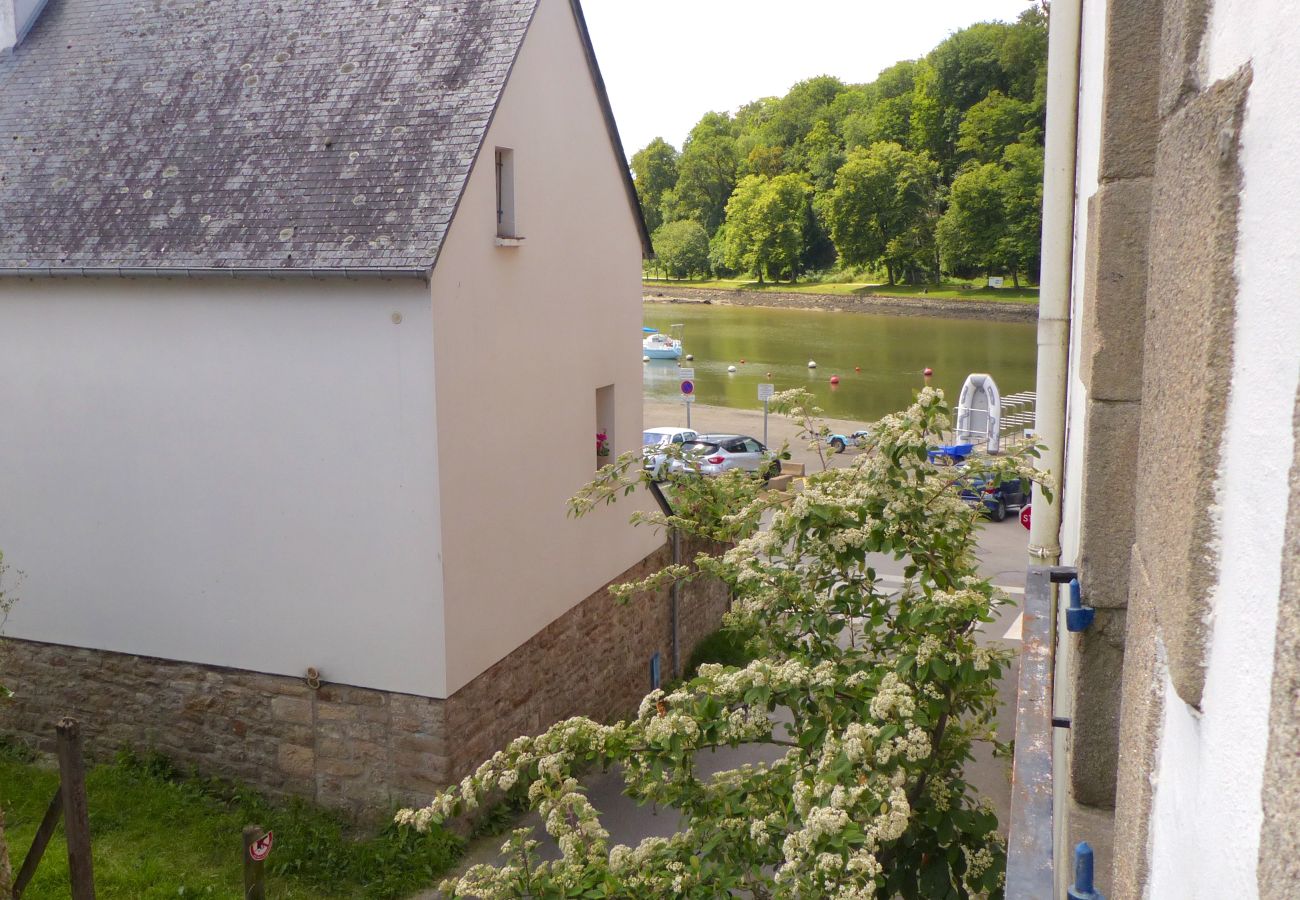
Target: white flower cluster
892	697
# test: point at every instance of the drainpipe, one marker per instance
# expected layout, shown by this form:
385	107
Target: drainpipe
1057	268
1053	360
675	592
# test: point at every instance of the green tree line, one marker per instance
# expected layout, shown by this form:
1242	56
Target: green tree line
934	168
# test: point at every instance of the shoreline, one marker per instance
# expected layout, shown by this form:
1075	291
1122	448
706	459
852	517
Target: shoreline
992	310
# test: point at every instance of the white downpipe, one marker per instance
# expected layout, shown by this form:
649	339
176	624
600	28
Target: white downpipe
1053	357
1057	267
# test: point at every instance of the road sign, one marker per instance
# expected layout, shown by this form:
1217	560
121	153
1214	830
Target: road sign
688	398
1025	515
765	391
260	849
686	374
688	388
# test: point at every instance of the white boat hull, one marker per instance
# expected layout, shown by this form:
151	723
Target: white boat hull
663	353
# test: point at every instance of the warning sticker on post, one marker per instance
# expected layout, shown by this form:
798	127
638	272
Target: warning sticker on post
765	391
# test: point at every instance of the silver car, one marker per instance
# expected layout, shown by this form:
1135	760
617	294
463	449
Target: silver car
713	454
654	441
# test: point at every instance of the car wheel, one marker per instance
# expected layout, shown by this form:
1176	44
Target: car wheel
838	444
999	512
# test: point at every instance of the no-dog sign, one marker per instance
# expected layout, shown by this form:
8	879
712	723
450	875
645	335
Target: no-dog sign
260	849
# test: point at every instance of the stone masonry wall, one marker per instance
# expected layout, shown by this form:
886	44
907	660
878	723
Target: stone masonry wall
354	748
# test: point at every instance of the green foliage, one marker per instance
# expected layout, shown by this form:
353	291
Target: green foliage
873	698
991	125
879	211
976	95
765	225
655	169
159	833
726	646
707	173
682	248
995	215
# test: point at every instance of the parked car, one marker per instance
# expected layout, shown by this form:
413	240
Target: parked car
997	498
654	441
713	454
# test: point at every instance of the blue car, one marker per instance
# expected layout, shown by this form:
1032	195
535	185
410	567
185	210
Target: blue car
997	499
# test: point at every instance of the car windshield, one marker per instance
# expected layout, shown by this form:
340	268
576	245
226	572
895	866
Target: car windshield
653	439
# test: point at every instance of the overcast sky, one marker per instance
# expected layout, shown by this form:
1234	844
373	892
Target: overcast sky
667	62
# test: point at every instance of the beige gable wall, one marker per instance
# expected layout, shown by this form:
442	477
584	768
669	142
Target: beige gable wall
230	471
523	338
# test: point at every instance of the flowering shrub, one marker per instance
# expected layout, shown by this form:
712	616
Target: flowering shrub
602	444
872	696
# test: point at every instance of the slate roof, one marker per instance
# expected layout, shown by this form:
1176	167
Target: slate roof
247	134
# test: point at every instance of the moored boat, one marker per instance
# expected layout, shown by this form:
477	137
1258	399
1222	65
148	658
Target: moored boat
657	345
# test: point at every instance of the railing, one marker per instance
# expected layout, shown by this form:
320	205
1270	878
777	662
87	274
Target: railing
1030	841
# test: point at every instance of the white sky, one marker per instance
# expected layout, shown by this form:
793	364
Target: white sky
667	62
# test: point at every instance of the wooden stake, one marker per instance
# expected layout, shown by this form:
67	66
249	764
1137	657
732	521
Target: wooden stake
39	843
254	871
76	817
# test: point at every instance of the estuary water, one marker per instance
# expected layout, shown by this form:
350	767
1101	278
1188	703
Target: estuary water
890	351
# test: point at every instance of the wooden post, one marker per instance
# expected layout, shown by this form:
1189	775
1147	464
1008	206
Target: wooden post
76	817
254	871
39	843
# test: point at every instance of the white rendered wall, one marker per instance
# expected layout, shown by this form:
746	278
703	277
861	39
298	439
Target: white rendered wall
232	472
1207	816
524	336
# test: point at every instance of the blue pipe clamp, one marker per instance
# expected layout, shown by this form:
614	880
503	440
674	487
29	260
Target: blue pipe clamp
1078	617
1082	888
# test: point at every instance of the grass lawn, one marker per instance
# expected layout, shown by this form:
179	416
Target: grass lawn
948	290
157	834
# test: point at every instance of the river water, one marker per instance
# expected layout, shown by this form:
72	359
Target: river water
890	351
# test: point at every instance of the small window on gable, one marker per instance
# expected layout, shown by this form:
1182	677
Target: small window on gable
505	165
604	425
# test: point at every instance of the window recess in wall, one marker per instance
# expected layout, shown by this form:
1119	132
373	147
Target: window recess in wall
604	425
507	229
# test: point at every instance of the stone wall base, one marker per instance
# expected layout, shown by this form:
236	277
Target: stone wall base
362	750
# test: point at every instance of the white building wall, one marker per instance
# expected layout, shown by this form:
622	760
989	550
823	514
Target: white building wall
232	472
524	337
1207	809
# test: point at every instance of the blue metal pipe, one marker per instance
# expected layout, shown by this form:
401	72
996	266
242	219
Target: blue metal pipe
1083	889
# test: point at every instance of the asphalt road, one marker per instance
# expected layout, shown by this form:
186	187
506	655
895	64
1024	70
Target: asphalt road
1003	560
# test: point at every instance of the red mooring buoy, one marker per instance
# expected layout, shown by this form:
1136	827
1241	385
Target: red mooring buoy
835	379
857	368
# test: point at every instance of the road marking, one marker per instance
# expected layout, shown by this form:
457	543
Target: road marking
1015	632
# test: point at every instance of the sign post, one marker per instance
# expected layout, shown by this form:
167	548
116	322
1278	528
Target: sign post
765	392
688	391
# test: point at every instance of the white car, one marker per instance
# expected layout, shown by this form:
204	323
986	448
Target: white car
655	440
713	454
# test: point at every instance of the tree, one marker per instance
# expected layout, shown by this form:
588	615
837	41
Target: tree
707	170
882	698
971	232
994	216
1022	203
882	196
765	225
655	169
682	248
991	125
